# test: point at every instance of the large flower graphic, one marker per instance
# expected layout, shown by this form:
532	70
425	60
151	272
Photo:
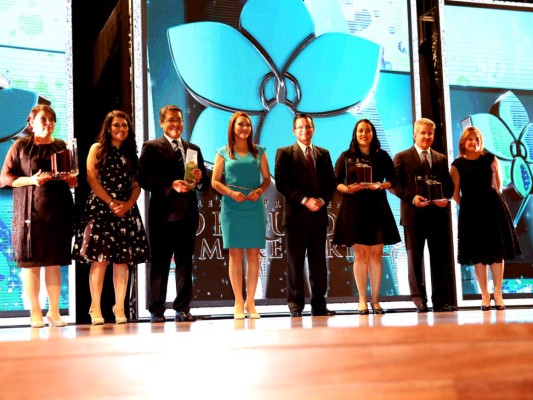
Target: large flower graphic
15	105
272	67
508	133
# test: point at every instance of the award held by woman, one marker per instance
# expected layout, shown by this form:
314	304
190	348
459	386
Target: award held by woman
65	162
191	163
357	172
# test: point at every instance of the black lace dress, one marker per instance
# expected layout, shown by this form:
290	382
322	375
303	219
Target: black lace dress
103	236
43	216
486	233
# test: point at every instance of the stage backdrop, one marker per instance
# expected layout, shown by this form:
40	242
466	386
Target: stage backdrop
336	60
489	73
35	67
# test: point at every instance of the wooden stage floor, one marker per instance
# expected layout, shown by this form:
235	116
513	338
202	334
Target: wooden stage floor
468	354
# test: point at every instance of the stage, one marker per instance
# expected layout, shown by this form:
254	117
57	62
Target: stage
400	355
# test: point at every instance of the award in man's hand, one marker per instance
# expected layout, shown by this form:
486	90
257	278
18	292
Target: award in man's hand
428	188
191	163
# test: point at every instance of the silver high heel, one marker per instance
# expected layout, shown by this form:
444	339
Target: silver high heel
119	319
96	316
59	323
36	324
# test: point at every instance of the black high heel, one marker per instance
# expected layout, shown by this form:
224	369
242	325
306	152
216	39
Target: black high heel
377	310
485	308
364	312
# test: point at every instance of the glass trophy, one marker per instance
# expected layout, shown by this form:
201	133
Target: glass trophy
191	163
358	172
65	162
428	188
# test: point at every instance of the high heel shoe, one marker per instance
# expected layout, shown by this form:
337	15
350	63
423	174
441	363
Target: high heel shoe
36	320
363	311
485	308
501	306
59	323
251	315
96	316
376	309
237	313
119	319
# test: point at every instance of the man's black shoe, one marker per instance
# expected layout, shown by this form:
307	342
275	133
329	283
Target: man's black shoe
157	318
296	314
422	309
184	316
445	308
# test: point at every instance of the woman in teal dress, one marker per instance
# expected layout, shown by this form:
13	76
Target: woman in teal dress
237	174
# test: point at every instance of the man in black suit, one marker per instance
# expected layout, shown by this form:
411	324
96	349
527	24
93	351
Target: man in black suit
425	220
173	212
304	176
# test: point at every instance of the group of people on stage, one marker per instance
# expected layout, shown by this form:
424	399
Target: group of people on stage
111	230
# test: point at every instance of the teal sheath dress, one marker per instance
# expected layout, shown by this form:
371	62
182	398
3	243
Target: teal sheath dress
243	224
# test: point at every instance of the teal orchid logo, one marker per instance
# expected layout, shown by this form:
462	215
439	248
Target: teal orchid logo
272	67
508	134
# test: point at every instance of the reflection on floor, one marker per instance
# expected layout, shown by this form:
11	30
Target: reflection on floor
466	354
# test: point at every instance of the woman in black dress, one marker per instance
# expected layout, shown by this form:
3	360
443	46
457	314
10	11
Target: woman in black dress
365	220
111	229
486	235
42	212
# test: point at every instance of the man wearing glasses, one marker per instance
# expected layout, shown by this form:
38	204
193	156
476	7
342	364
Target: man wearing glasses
173	212
304	176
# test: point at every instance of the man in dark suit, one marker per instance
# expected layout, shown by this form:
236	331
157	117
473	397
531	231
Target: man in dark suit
304	176
425	220
173	212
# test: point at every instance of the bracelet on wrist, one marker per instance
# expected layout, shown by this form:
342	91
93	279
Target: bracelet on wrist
111	202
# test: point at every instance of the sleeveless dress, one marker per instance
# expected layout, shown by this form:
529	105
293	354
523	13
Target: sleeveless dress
102	235
365	217
243	224
486	233
43	216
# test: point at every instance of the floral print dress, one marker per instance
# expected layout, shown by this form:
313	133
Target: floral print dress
102	235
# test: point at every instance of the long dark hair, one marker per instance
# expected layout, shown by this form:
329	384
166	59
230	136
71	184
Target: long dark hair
375	145
128	148
231	135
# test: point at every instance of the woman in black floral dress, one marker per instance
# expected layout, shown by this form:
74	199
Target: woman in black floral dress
111	229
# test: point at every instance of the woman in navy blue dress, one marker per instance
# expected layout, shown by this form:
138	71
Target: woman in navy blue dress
486	235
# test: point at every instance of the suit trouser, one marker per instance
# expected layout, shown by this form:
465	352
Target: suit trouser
167	239
299	241
438	241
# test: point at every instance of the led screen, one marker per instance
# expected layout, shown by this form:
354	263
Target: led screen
33	69
337	60
489	69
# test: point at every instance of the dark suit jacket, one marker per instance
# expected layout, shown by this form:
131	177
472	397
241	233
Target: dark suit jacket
407	166
294	182
158	168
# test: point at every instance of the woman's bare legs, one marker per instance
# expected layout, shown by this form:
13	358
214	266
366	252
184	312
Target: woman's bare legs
52	278
497	277
120	283
96	283
360	272
482	280
31	281
252	277
235	277
375	271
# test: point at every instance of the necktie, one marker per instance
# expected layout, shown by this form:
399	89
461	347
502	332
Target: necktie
425	162
310	164
179	154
